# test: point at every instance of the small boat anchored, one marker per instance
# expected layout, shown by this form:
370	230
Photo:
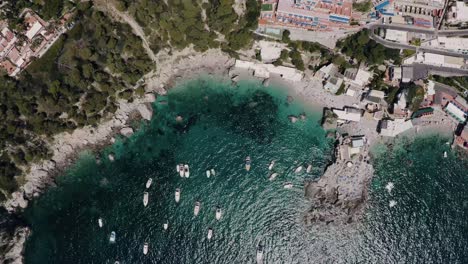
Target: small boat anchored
210	233
309	168
389	187
272	163
145	198
186	171
112	237
177	195
288	185
166	226
273	176
392	203
213	172
196	210
445	154
298	169
145	248
247	163
100	223
218	213
149	182
181	170
259	254
208	173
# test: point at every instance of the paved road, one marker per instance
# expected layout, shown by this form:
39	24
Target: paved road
396	45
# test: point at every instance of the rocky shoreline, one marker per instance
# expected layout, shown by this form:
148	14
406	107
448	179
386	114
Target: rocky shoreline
66	147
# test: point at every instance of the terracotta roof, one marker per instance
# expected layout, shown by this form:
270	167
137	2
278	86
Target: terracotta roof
8	66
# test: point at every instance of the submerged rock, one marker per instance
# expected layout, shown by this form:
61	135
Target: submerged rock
145	111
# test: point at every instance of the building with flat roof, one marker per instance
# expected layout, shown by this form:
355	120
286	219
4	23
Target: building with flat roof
458	13
392	128
396	35
348	114
455	112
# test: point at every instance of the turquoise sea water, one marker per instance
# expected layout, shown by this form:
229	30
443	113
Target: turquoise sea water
222	125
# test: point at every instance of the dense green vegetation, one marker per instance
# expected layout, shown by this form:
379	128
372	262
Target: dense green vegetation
74	84
415	96
460	83
363	6
179	23
362	48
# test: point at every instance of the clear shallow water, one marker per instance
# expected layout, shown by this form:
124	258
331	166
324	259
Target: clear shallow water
223	125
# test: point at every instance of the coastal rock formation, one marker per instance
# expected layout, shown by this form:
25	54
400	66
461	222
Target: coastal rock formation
293	118
12	245
150	97
126	131
145	111
339	195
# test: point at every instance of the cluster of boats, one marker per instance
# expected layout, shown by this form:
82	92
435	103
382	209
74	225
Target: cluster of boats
184	171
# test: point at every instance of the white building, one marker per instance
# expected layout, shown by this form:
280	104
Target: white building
270	51
455	112
455	44
361	78
262	70
458	13
36	28
397	35
439	60
348	114
391	128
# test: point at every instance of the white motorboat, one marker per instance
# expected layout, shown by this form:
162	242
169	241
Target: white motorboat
210	233
149	182
213	172
178	168
298	169
100	223
259	254
218	213
272	163
288	185
166	226
208	173
145	198
445	154
389	187
247	163
196	210
186	171
112	237
177	195
145	248
392	203
273	176
309	168
181	170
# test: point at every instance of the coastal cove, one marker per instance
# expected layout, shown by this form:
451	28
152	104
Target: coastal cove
221	124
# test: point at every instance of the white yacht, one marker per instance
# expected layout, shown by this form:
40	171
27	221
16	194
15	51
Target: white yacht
145	198
272	163
259	254
392	203
178	168
208	173
445	154
309	168
177	195
112	237
181	170
186	171
213	172
210	233
273	176
149	182
298	169
288	185
247	163
218	213
389	187
100	223
196	210
166	226
145	248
